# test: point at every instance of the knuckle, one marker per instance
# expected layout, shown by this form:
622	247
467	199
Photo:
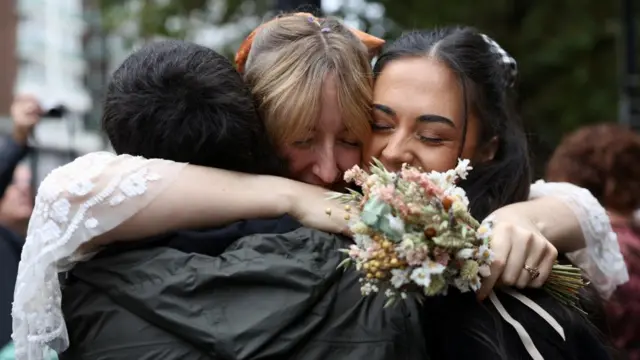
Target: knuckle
498	263
508	279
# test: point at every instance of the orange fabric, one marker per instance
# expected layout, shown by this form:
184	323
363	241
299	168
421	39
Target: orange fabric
373	43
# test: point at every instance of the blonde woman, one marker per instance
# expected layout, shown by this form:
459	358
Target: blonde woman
312	83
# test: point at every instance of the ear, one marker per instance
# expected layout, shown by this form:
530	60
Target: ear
488	151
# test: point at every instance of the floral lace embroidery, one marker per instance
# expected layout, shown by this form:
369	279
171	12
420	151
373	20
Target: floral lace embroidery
601	258
69	204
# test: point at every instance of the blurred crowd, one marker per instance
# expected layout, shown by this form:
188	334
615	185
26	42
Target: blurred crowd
601	158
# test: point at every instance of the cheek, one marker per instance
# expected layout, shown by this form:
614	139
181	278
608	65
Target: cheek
375	146
346	158
440	158
298	159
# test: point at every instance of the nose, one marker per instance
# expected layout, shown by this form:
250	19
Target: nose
396	152
326	168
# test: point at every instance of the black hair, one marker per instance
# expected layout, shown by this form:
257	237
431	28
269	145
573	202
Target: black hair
457	326
486	89
184	102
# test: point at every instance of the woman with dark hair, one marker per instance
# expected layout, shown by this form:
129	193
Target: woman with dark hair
604	160
439	96
447	94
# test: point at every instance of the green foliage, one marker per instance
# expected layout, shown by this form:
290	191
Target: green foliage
139	20
567	54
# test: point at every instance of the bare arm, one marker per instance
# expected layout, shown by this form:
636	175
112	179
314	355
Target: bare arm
201	197
554	219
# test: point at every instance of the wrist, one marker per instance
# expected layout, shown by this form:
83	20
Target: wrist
21	136
284	193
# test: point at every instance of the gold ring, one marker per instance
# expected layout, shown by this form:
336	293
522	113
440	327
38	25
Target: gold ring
533	272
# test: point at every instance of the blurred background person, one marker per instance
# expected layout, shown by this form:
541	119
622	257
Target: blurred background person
604	159
16	202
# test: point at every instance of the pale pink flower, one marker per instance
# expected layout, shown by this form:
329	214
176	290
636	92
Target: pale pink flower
354	252
417	255
355	175
411	174
441	256
386	193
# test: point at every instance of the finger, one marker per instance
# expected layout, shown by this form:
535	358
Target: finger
546	265
520	245
501	251
534	257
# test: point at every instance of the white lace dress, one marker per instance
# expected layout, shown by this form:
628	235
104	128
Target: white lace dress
97	192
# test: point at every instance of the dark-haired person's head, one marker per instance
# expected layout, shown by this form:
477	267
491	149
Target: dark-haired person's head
446	94
184	102
603	159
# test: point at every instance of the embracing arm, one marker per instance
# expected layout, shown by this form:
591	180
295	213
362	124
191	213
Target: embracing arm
108	198
577	225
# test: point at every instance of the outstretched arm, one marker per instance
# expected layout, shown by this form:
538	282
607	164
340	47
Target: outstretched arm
575	222
558	217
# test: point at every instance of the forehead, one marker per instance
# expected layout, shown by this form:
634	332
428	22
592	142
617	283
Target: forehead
417	86
330	117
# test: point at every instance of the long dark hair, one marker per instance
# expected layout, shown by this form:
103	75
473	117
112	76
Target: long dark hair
458	326
486	87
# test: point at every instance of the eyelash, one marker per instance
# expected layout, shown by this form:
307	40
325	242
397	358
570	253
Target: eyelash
377	127
434	141
307	142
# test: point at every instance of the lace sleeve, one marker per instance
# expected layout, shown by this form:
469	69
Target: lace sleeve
601	258
75	203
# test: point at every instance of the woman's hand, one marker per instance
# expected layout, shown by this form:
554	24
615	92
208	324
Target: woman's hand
518	245
310	205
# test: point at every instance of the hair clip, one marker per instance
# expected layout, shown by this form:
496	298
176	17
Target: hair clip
311	19
325	30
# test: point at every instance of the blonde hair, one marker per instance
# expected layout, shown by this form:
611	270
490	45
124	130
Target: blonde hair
288	62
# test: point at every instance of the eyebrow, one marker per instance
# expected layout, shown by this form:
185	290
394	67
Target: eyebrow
429	118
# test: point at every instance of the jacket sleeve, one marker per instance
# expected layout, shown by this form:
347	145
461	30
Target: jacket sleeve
11	153
250	300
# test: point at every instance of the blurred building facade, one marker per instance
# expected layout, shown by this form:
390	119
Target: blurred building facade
44	47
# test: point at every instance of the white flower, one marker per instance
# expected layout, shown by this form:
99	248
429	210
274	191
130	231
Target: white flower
465	285
368	288
461	284
396	224
464	254
399	277
450	177
459	194
485	254
463	168
440	179
421	276
484	231
433	267
363	241
389	293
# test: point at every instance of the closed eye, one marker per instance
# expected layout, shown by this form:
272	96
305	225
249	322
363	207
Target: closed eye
431	140
303	143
